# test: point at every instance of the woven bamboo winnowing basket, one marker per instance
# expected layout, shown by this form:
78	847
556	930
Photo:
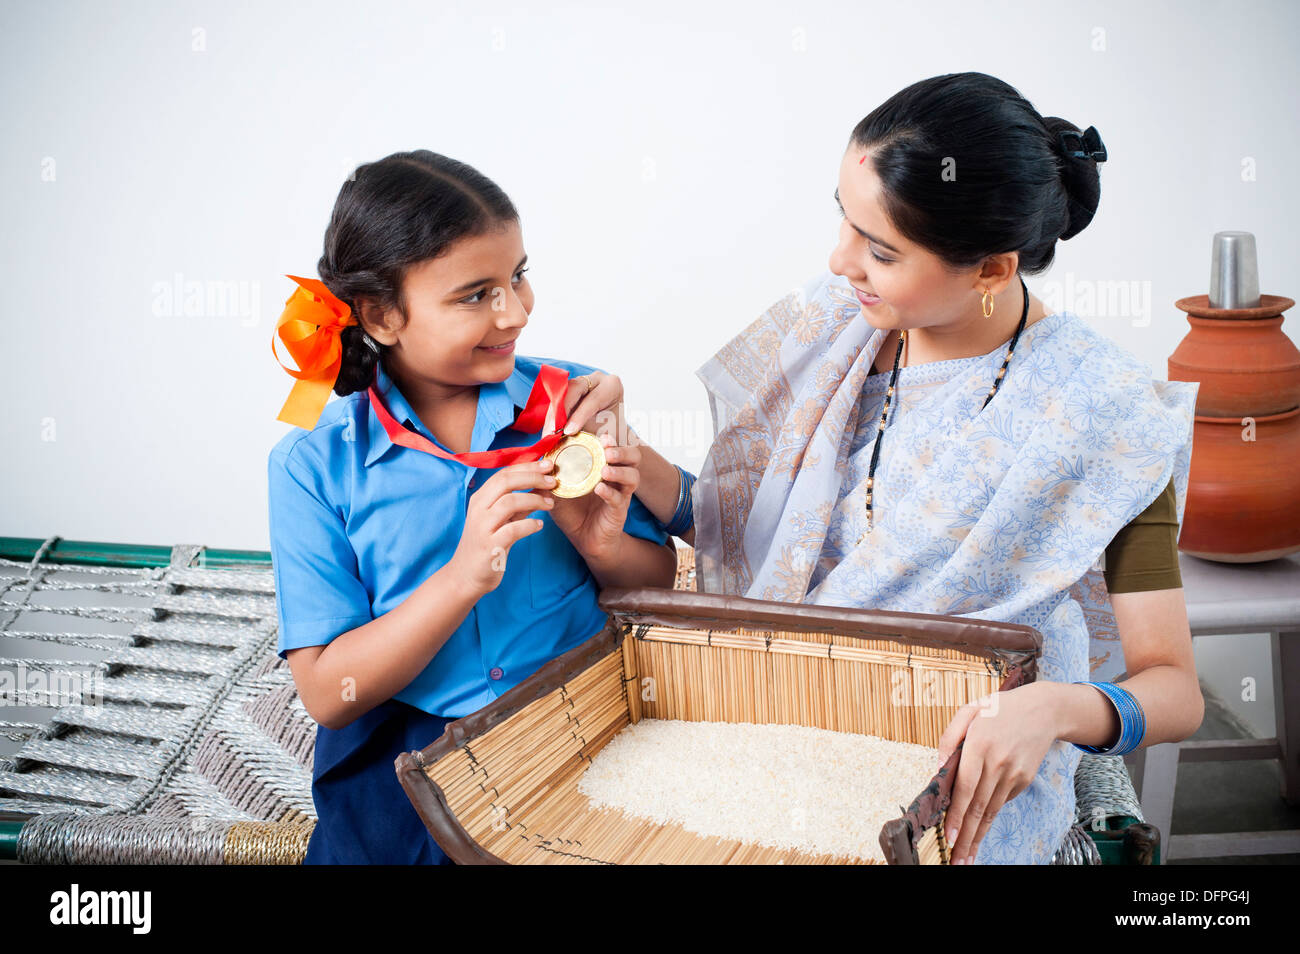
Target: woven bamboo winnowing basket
500	784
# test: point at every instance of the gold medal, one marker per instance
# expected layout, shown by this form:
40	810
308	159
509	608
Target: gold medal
579	460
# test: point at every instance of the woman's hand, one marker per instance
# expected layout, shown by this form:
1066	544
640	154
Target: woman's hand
1007	735
594	522
494	521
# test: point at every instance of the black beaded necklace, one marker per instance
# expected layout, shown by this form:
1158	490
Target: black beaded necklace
893	379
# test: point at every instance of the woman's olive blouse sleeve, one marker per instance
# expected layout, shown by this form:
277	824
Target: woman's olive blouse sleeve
1144	555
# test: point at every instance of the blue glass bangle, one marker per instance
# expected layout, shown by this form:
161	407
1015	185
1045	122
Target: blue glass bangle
684	516
1132	720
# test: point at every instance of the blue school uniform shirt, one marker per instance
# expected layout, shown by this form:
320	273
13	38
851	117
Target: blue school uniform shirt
357	523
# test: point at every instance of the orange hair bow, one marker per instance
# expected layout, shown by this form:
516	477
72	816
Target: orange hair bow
310	327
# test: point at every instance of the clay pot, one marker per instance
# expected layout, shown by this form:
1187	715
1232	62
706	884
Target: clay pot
1243	495
1245	362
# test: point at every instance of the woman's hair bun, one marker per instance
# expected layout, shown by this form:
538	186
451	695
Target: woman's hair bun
1014	186
1079	175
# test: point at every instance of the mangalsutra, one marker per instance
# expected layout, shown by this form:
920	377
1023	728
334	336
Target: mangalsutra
893	380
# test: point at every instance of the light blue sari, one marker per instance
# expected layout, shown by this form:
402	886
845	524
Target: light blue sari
1001	513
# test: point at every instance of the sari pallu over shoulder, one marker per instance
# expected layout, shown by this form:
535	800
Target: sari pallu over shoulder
997	513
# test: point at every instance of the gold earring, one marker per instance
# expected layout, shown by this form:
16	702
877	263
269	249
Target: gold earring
986	302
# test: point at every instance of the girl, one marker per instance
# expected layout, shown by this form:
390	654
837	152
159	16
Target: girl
913	431
412	588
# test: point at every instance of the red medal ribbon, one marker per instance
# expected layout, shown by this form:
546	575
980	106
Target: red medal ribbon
544	411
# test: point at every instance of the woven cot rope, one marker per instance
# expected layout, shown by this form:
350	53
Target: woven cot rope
1077	849
80	640
262	843
43	549
138	839
199	733
60	838
1107	791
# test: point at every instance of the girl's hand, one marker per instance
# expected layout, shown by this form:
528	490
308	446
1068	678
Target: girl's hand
600	410
594	522
1007	737
494	521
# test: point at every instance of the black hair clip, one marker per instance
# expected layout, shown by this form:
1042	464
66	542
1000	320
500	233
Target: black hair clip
1087	145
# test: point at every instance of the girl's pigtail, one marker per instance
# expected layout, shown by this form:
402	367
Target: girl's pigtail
359	360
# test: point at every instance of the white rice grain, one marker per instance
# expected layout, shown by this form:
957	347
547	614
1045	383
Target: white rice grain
781	786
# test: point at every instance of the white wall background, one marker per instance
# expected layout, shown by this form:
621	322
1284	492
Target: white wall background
673	164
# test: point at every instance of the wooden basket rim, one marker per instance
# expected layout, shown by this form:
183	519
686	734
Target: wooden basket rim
1010	642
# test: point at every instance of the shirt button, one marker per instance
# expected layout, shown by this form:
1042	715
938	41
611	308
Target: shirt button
495	672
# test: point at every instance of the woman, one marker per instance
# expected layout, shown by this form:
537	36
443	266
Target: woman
912	431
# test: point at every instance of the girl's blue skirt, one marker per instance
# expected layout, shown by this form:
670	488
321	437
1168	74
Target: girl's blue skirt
364	815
